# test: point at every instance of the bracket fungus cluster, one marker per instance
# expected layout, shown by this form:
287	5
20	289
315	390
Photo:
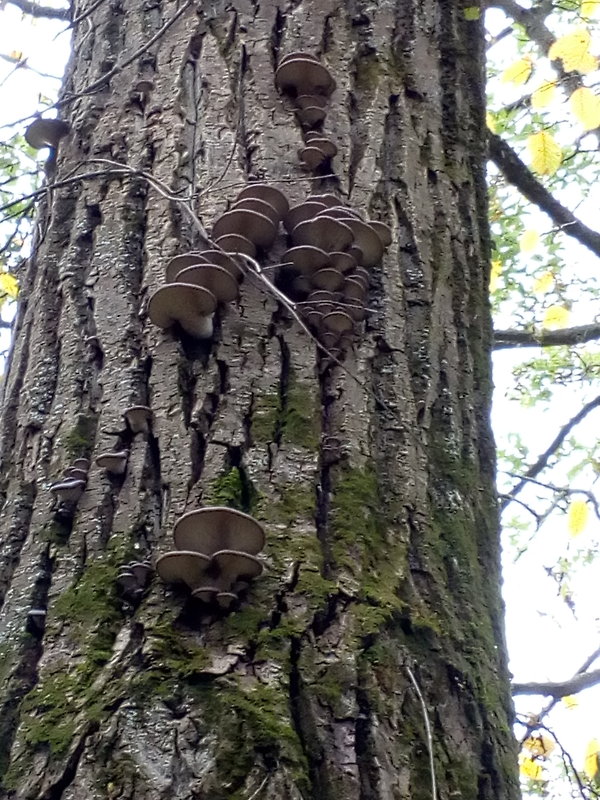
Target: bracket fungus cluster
309	84
45	133
133	578
72	485
215	555
197	282
327	268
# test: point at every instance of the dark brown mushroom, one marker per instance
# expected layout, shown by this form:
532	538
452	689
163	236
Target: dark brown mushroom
325	232
68	491
177	263
142	571
302	75
206	593
301	213
313	157
383	231
183	566
338	322
46	132
310	100
126	581
322	300
216	279
226	599
228	262
311	115
138	418
344	262
329	200
81	463
189	305
326	146
354	289
207	530
260	230
262	191
234	243
306	259
365	237
297	54
261	206
327	278
76	474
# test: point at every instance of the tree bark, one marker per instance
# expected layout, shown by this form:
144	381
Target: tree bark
383	556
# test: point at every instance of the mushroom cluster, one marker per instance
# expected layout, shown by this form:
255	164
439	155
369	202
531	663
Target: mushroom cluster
133	578
309	84
197	282
72	485
215	554
326	271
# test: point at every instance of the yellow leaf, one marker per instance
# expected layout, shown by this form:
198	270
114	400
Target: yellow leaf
585	105
577	516
529	241
590	765
546	155
490	121
574	50
495	274
588	63
531	769
555	317
518	72
15	55
8	284
472	13
543	95
570	702
539	745
589	8
544	283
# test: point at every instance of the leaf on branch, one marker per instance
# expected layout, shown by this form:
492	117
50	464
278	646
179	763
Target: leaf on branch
490	121
589	8
472	13
531	769
544	95
585	105
529	241
555	317
546	154
539	745
570	702
15	55
9	285
519	72
495	274
591	766
577	517
574	51
544	283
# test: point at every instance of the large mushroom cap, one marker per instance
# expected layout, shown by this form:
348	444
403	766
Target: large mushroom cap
183	566
76	474
354	289
306	259
311	115
254	226
207	530
235	564
327	278
185	303
261	206
326	146
262	191
301	213
365	237
324	232
337	322
177	263
138	418
115	463
344	262
304	75
68	491
234	243
313	157
206	593
45	132
224	260
297	54
81	463
216	279
383	231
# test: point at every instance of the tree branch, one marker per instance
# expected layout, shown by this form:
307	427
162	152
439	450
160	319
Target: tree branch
560	689
567	336
35	10
517	173
542	461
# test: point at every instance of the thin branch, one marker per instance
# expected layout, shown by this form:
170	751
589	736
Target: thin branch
517	173
567	336
417	689
560	688
542	461
35	10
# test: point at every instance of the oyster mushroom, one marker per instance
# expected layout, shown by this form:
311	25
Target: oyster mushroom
183	566
311	115
312	157
261	206
206	593
189	305
383	231
207	530
236	564
327	278
115	463
301	213
304	75
138	418
269	194
306	259
76	474
310	100
337	322
234	243
297	54
68	491
260	230
216	279
46	132
142	571
81	463
226	599
324	232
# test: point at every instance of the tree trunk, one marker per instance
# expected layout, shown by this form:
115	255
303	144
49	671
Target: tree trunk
382	553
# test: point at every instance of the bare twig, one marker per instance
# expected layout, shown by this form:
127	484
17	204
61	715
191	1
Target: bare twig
567	336
35	10
419	693
559	689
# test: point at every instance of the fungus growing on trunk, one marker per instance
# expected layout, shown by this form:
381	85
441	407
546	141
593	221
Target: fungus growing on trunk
183	566
302	74
68	491
138	419
255	227
260	206
234	243
338	322
115	463
301	213
235	564
207	530
327	278
75	474
324	232
46	133
216	279
269	194
189	305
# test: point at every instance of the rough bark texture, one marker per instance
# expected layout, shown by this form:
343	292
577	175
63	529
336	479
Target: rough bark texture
381	557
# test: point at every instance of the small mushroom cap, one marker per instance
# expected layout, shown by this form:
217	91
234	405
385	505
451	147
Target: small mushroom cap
311	115
138	418
46	132
313	157
313	316
327	278
183	566
354	289
142	571
324	232
365	238
206	593
310	100
337	322
361	275
234	243
306	259
322	300
68	491
344	262
226	599
297	54
301	213
177	263
262	191
143	85
216	279
127	581
185	303
81	463
255	204
116	463
228	262
76	474
260	230
326	146
329	200
207	530
329	339
302	75
383	231
234	564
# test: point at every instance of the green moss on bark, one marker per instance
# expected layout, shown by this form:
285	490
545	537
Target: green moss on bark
80	439
293	418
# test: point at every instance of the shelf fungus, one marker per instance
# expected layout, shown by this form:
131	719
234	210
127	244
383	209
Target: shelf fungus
216	279
46	133
207	530
324	232
268	194
235	243
115	463
188	305
133	578
302	74
214	257
138	419
68	491
317	152
255	227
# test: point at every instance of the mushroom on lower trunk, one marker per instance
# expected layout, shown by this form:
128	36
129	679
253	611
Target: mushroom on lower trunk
207	530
